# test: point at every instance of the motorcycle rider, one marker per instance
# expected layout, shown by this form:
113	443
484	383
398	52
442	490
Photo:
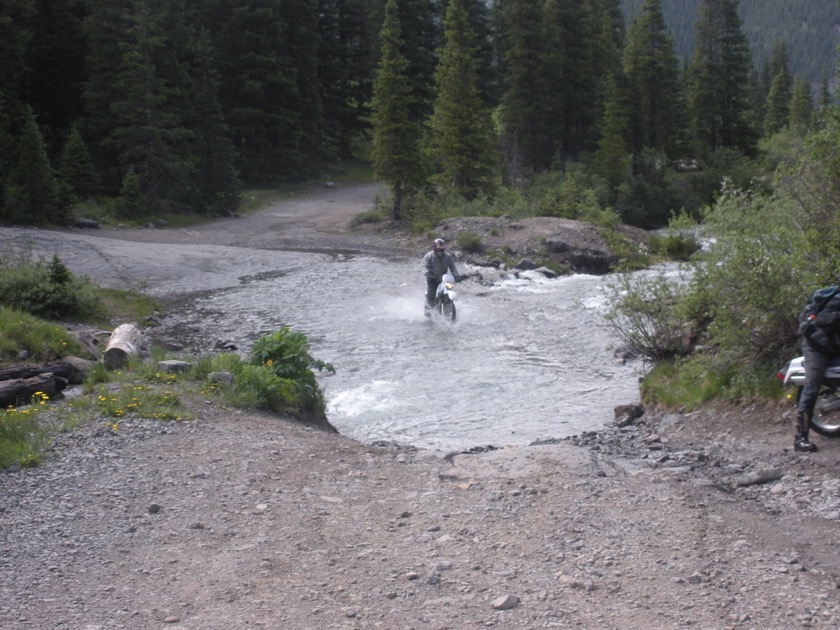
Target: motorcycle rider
436	263
820	342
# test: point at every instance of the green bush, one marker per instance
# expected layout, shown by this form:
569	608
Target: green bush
754	279
377	215
470	241
278	375
285	353
46	289
644	312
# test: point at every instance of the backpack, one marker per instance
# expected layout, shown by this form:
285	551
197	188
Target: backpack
812	308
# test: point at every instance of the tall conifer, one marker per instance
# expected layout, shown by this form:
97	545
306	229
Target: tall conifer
76	167
801	106
396	136
718	81
777	107
463	139
32	193
652	75
15	34
525	138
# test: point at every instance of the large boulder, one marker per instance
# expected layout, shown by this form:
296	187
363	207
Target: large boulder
575	245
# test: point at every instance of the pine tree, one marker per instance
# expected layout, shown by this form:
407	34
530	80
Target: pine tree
777	107
612	158
801	106
463	141
215	176
526	139
652	72
486	62
104	29
718	81
76	167
259	89
396	136
32	193
148	134
55	68
345	71
15	35
420	36
301	46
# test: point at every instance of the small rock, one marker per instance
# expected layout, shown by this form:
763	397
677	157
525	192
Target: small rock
506	602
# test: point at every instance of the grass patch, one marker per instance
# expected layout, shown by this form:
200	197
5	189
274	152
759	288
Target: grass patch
22	334
21	436
376	215
128	306
689	383
278	376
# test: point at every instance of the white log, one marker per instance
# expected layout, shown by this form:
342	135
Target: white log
125	342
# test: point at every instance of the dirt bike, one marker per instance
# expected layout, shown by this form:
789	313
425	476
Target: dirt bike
445	297
826	419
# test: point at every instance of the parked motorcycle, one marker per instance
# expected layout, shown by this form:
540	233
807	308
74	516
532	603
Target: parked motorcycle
445	298
826	419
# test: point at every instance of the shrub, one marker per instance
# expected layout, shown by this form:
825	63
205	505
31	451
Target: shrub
645	313
285	353
46	289
377	215
470	241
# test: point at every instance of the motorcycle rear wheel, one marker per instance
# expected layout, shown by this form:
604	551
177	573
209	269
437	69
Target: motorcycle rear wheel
826	419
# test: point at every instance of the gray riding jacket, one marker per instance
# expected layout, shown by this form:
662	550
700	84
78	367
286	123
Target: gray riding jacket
436	266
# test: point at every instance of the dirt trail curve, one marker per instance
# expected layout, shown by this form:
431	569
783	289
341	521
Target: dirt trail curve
243	520
217	254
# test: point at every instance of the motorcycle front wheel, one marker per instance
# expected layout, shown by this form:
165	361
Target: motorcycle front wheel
448	311
826	419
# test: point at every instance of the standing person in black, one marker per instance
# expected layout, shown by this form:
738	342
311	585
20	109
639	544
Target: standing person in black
820	342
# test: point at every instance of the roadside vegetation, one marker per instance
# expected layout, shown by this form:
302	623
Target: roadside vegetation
37	300
722	327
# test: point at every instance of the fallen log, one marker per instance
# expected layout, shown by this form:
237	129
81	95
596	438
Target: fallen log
71	369
20	391
125	342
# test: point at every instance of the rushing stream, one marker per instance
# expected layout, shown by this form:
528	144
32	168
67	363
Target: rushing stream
526	359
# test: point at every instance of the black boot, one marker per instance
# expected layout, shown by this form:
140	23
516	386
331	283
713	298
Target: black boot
801	442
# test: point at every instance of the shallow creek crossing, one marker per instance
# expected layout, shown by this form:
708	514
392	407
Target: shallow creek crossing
527	358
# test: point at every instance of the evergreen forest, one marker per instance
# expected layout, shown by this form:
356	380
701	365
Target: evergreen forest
807	29
573	108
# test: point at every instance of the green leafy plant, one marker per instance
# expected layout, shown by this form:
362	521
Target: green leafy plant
285	353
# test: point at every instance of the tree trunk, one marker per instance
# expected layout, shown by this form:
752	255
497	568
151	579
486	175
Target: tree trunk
125	342
396	210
